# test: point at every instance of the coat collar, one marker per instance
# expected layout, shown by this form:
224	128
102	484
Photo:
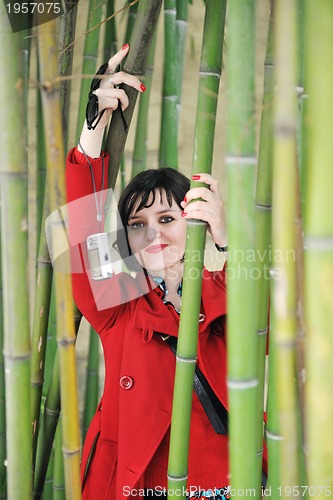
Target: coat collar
150	313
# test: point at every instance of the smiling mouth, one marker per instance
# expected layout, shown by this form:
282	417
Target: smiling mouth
155	248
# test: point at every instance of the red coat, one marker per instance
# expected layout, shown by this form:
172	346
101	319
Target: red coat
135	411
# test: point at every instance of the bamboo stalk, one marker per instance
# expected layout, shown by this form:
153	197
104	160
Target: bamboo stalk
168	156
318	246
48	485
90	54
135	64
14	225
210	71
67	27
263	215
40	168
181	30
139	160
132	13
47	430
92	381
2	398
39	330
241	162
64	305
110	38
58	475
284	299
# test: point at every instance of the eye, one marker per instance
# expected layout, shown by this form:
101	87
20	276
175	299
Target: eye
166	219
135	225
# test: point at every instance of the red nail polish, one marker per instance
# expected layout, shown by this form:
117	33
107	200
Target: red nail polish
196	177
185	199
124	47
184	214
142	87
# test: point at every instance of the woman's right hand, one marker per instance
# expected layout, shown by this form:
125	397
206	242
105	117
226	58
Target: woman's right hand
109	98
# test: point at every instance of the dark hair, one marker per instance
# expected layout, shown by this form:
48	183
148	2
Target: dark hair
137	193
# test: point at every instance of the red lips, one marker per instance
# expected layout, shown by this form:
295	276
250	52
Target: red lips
155	248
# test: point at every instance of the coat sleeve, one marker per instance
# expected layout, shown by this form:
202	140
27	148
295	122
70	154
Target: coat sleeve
98	301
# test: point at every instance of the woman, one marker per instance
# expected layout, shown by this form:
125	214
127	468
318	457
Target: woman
126	449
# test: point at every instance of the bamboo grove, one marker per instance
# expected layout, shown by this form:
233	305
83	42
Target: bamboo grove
260	106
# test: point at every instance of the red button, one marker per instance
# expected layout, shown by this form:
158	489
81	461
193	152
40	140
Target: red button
126	382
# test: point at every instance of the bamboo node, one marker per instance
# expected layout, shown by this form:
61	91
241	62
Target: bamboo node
50	412
177	478
318	243
242	384
66	342
240	160
263	206
262	331
69	453
210	73
186	360
273	435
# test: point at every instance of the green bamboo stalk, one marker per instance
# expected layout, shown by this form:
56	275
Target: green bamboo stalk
40	167
92	381
139	159
48	485
241	162
284	299
110	38
40	326
14	225
301	135
58	475
318	246
64	305
263	215
132	13
210	71
168	155
146	21
89	61
51	407
181	30
2	399
67	27
48	425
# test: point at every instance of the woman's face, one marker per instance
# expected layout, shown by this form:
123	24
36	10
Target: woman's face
157	235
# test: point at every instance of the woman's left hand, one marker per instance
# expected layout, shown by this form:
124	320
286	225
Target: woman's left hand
209	208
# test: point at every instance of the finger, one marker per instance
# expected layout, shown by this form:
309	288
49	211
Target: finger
207	179
200	192
202	206
200	215
110	98
117	58
131	80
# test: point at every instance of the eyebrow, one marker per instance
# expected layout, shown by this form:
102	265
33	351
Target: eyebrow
160	212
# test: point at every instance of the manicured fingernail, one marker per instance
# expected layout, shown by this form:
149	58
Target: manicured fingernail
124	47
196	177
185	199
142	87
184	214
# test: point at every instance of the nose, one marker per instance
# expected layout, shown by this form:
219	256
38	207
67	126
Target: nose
152	233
